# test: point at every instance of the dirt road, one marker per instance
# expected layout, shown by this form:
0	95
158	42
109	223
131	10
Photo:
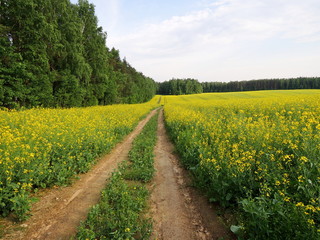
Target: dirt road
179	212
59	211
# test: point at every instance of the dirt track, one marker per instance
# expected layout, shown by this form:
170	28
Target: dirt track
59	212
179	212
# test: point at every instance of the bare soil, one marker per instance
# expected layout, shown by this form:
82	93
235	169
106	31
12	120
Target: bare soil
59	211
178	210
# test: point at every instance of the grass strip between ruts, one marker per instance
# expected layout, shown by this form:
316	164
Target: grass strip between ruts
120	212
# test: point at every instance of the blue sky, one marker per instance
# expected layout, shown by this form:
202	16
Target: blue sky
215	40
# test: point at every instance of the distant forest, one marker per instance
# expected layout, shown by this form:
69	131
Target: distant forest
179	87
262	84
192	86
53	54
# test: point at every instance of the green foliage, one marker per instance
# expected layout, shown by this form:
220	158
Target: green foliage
12	72
54	54
117	216
132	86
267	218
141	155
15	199
119	212
179	87
262	84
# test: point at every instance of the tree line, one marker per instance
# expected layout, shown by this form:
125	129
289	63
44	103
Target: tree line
179	87
54	54
263	84
193	86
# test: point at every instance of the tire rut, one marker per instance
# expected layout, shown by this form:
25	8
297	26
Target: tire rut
178	210
59	211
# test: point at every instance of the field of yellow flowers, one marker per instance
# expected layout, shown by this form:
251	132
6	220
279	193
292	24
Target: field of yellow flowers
257	151
46	147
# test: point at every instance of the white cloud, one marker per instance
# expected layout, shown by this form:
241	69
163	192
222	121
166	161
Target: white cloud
223	36
108	12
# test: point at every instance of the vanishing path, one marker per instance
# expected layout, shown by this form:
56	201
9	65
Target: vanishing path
59	211
179	212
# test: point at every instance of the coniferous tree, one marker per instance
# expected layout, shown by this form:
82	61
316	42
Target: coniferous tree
67	63
262	84
28	31
12	72
54	54
180	86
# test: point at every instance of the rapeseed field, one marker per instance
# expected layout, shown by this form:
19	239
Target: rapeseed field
256	151
47	147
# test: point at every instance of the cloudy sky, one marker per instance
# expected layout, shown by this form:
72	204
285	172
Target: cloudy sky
215	40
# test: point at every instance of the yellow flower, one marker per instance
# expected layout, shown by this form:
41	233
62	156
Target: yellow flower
286	199
304	159
300	179
311	221
300	204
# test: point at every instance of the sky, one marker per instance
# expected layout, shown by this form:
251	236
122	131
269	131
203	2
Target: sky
215	40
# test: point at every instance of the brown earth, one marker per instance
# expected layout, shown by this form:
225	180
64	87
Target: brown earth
178	210
59	211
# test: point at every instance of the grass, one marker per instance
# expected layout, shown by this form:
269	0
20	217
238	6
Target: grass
120	212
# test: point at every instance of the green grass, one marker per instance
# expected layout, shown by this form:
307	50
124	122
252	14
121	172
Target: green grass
120	212
140	166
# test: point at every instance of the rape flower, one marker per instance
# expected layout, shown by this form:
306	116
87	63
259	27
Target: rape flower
41	147
265	140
